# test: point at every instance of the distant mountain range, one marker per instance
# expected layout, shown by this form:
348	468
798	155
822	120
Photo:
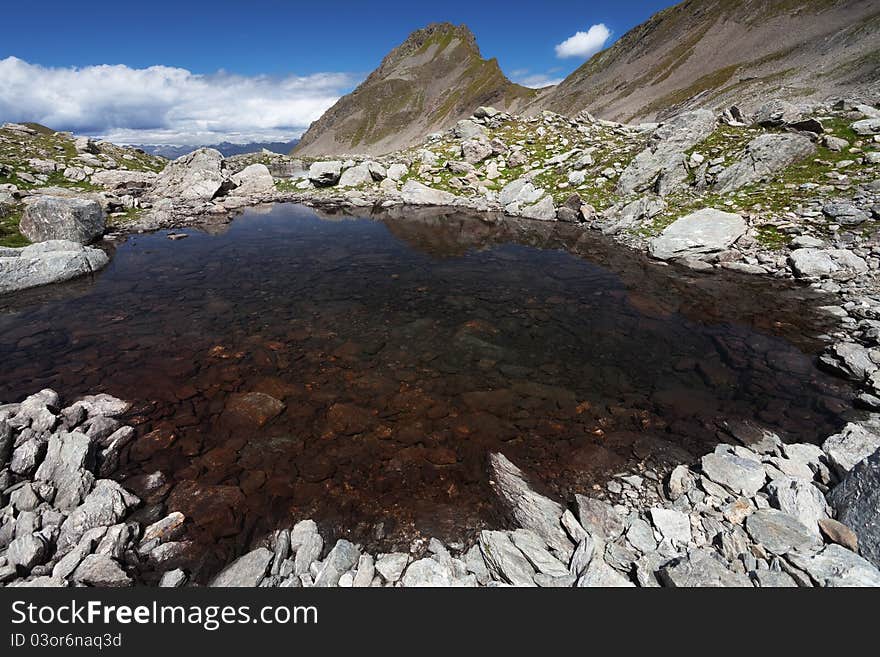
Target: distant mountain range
172	152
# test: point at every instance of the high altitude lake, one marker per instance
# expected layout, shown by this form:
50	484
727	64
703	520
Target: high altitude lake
406	347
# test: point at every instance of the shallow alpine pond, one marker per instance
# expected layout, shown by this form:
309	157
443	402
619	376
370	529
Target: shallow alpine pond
358	371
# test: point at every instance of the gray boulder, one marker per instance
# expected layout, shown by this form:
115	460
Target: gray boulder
397	171
529	509
428	573
672	525
475	151
701	568
698	234
764	156
777	113
391	566
521	192
836	566
356	176
415	193
124	180
505	560
106	505
27	551
325	174
196	177
467	129
543	210
253	179
246	571
535	550
599	518
852	445
100	570
49	262
54	218
844	213
740	475
661	167
781	533
799	498
867	127
342	558
67	466
824	263
856	502
308	548
849	359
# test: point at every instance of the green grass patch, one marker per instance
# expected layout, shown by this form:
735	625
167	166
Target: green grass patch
9	233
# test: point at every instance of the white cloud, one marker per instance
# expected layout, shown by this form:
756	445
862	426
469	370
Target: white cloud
535	80
165	105
584	44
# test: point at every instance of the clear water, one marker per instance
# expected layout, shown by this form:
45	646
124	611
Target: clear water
405	349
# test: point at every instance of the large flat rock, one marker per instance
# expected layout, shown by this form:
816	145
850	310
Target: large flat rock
49	262
698	234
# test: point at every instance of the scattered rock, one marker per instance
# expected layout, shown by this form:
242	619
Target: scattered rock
246	571
781	533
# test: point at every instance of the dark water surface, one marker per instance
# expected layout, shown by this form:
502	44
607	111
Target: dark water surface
405	348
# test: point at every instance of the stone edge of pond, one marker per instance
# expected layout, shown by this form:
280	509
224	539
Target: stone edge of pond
755	512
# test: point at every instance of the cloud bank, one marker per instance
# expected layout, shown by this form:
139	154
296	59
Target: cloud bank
166	105
536	80
584	44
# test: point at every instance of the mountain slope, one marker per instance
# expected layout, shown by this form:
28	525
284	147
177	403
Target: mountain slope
435	78
713	53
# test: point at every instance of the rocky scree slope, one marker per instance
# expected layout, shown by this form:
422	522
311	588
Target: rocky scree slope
38	161
434	78
712	53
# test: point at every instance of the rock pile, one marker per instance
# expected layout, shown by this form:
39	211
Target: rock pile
63	522
752	513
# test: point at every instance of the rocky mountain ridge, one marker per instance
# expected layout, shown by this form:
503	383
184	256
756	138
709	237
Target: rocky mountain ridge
714	53
434	78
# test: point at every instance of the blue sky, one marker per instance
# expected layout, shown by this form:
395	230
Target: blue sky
225	53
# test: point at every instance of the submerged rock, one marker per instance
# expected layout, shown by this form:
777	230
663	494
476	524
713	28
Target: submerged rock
254	407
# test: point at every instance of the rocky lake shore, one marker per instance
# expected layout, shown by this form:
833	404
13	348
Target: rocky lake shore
792	192
755	512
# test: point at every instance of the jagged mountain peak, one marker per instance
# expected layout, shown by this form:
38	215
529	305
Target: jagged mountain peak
436	77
